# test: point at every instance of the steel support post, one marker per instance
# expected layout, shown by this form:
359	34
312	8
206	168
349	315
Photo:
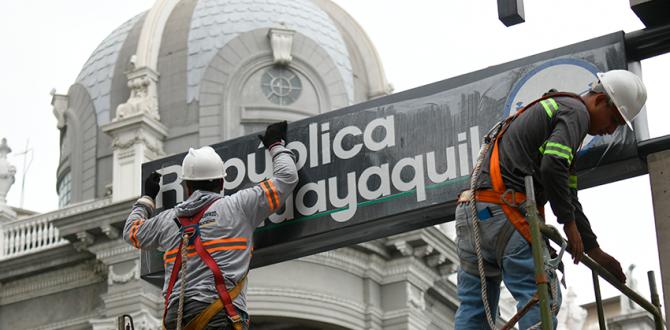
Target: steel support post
659	178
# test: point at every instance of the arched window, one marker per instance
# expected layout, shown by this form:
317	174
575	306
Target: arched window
65	190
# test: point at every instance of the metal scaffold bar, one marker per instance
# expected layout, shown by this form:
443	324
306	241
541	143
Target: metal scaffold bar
538	255
599	301
553	234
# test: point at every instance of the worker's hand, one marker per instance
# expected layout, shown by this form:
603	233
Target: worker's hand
608	262
152	185
575	244
274	134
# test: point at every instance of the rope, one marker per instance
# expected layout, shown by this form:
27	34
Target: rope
474	184
182	274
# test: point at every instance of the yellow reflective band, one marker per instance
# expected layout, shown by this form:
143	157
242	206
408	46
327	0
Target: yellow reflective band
572	182
546	108
559	146
560	154
554	104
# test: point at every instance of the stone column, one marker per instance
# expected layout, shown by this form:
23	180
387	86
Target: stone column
659	177
137	134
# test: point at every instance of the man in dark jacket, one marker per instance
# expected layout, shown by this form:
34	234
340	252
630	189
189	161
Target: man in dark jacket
541	142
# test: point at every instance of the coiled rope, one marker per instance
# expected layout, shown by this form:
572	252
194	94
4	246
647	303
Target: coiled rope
182	274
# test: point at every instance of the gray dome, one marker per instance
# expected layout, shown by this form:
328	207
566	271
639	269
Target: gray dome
211	60
213	24
96	75
216	22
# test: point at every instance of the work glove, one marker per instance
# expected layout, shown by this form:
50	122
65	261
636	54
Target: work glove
274	134
608	262
575	244
152	185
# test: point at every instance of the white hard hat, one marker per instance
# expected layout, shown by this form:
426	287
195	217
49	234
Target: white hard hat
626	90
202	164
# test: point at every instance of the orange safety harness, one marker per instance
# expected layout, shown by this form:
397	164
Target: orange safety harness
510	200
191	227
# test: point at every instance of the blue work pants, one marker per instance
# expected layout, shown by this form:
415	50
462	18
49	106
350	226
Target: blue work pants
513	265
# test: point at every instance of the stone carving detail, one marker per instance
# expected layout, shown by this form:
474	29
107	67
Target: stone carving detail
404	248
85	240
60	104
143	95
125	143
281	41
133	274
110	231
415	298
7	172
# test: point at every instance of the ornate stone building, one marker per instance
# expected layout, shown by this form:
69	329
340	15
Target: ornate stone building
191	73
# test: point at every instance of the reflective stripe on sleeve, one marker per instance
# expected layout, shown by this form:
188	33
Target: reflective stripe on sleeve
557	149
268	194
572	182
550	106
133	232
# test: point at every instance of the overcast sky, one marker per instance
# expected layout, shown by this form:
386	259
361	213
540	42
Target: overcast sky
46	43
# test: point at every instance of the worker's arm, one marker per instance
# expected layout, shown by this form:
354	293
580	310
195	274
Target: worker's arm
570	124
589	238
141	229
258	202
591	246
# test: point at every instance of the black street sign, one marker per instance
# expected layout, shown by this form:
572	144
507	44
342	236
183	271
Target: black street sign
397	163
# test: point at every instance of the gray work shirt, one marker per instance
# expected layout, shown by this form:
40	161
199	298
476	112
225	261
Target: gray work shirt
226	230
543	142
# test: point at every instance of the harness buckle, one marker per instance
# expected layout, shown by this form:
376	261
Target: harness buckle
503	198
192	231
553	263
236	322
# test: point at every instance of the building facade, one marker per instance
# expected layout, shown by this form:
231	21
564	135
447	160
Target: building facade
192	73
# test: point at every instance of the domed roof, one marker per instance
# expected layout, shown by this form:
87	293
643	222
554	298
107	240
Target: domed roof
213	24
96	75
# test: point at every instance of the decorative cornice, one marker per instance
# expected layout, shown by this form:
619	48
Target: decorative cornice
114	252
111	232
133	274
47	283
65	212
305	296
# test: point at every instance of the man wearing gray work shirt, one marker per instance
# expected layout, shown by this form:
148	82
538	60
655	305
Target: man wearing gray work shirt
225	225
541	142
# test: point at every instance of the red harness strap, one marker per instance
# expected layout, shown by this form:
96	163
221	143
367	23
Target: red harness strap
499	194
191	225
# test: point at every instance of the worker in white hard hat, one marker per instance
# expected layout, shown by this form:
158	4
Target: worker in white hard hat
208	238
541	140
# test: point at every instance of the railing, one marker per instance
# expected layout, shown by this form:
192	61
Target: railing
532	216
654	307
21	237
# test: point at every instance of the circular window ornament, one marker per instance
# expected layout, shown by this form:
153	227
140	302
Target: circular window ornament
281	86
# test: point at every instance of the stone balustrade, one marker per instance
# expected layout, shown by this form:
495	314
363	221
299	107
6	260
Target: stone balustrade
25	236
